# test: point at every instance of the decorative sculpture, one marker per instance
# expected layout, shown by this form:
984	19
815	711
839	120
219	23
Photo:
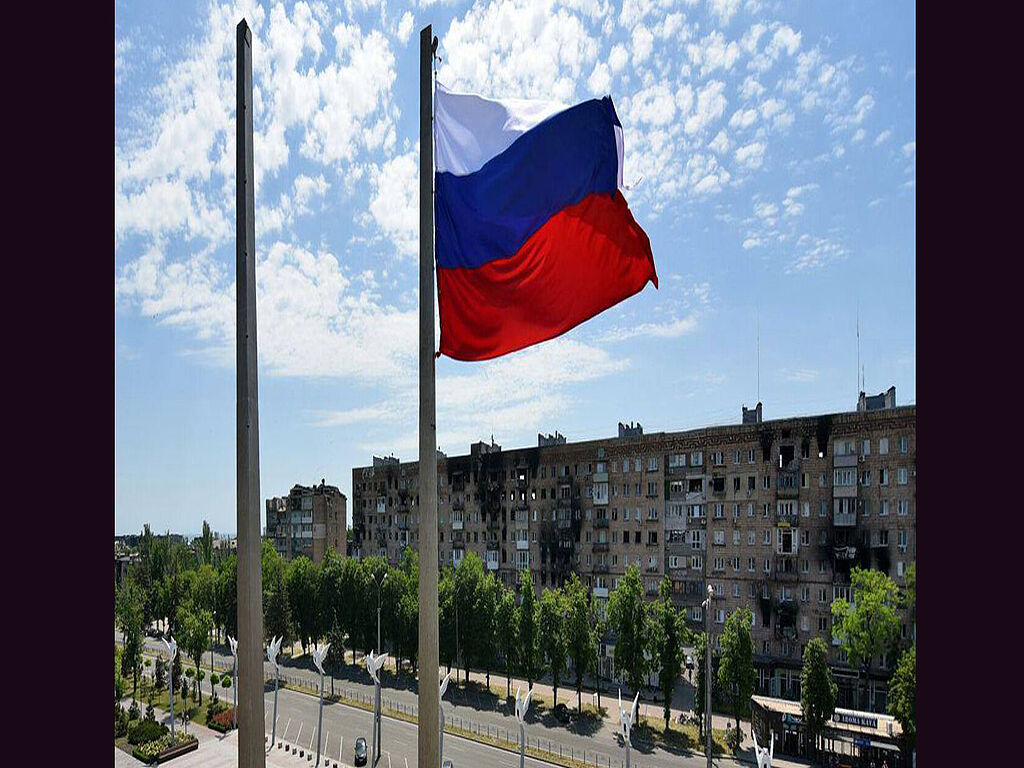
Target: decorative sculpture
319	654
234	681
172	651
273	649
522	706
440	711
373	666
626	720
764	755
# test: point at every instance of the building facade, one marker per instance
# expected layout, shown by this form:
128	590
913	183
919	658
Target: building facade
308	521
774	514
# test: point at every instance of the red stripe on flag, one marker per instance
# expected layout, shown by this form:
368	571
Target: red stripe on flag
585	259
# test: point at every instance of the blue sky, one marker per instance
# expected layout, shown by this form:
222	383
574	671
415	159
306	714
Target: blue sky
774	146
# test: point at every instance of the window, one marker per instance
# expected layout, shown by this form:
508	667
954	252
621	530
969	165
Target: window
844	476
751	536
735	538
750	565
902	507
767	539
865	478
884	511
805	509
767	481
719	511
718	458
805	594
736	457
736	484
720	538
767	565
750	456
652	464
766	509
805	480
636	464
901	476
696	458
883	476
823	509
823	624
805	537
883	445
821	595
904	444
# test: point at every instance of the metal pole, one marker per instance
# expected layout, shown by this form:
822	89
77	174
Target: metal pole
428	740
320	719
707	678
250	577
234	690
273	725
170	674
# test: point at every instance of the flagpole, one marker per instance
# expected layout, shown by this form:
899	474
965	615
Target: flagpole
428	735
247	445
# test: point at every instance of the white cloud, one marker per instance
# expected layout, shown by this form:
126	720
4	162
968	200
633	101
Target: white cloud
643	43
723	9
743	118
600	80
720	143
405	28
910	149
618	58
858	136
798	375
883	136
670	329
713	52
751	155
395	201
705	174
711	104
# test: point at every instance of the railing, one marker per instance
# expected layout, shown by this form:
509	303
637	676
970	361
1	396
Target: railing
845	519
600	522
600	546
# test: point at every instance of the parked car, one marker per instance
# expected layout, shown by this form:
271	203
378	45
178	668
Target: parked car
360	757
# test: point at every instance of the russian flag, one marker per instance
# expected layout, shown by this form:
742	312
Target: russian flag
533	235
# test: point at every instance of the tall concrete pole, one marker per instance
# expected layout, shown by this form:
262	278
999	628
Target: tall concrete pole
428	743
707	679
250	577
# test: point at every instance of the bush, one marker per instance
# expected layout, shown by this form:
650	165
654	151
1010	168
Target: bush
225	682
120	721
149	663
215	678
151	750
145	730
189	673
150	713
133	711
222	720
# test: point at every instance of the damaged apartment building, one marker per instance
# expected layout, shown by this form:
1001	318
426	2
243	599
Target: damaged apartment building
774	514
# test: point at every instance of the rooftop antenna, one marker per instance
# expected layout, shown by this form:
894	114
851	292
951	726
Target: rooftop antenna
759	356
858	346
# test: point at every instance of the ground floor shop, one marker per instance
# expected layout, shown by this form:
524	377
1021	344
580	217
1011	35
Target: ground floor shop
853	738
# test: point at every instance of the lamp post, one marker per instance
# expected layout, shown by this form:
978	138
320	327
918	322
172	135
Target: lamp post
522	705
172	651
373	665
764	755
626	720
380	586
707	672
272	650
440	711
318	660
234	681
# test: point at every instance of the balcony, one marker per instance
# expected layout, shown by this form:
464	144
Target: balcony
522	545
601	592
492	565
493	546
403	525
457	525
787	484
600	522
785	568
844	519
849	460
694	496
600	546
675	471
652	569
458	504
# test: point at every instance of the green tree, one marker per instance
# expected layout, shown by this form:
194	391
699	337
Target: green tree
467	586
302	585
409	606
227	595
350	581
736	673
903	696
870	624
446	617
118	677
277	619
527	655
578	635
204	545
627	617
817	690
553	646
700	662
160	674
505	622
129	607
669	635
195	623
484	614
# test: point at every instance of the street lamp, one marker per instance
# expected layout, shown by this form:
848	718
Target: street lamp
380	586
373	665
440	711
318	660
172	651
707	680
522	705
764	755
626	720
272	650
234	681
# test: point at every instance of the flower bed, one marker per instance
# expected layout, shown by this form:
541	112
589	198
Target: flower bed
162	750
222	721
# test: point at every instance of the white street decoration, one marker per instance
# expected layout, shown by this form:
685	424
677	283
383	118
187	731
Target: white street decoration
234	681
522	706
319	654
626	720
440	712
273	649
373	666
172	651
764	755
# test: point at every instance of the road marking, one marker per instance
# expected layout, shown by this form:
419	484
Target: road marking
311	741
341	747
285	734
407	762
297	735
389	759
326	741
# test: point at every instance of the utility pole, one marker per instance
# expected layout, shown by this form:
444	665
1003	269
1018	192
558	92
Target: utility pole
707	672
428	739
247	445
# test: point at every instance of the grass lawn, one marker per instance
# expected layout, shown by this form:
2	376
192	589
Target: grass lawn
682	736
